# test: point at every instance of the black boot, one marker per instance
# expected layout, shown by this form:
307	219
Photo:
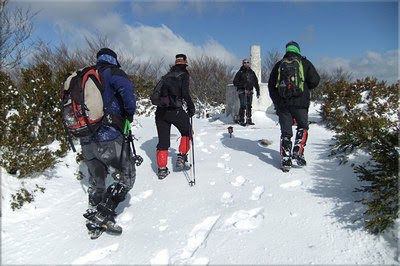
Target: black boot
182	162
299	144
286	148
162	173
241	117
249	121
102	220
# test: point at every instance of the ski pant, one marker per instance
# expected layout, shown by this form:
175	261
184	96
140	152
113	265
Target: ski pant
99	157
246	100
167	117
164	119
286	115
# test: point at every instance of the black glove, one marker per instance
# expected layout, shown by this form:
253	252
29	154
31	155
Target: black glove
258	94
129	118
191	112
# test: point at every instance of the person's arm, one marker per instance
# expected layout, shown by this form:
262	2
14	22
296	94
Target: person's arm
124	87
186	95
312	77
273	91
256	85
237	81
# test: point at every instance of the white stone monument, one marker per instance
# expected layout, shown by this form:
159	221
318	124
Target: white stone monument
264	103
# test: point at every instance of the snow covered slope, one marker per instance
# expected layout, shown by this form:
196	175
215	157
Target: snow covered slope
242	210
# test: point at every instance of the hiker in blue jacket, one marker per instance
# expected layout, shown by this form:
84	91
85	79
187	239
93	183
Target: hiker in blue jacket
102	150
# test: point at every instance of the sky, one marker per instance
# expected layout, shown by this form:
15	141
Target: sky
359	36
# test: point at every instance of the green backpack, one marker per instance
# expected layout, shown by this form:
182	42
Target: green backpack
290	82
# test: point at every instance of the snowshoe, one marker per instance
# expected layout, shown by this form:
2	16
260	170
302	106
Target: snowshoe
300	160
97	224
162	173
286	164
182	162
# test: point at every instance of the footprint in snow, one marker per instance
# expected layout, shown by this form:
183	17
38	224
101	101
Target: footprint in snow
161	258
212	147
205	150
202	134
226	157
292	184
162	226
124	218
96	255
200	144
257	192
143	195
244	220
226	198
196	238
239	181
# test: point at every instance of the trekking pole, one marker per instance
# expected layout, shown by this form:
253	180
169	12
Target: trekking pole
127	129
192	183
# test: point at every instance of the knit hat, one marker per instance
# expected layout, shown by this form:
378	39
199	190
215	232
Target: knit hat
293	46
181	59
107	55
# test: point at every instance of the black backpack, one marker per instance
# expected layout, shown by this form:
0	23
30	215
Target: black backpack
168	91
290	82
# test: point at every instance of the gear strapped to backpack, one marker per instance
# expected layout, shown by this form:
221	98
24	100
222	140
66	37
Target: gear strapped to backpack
82	102
290	82
167	92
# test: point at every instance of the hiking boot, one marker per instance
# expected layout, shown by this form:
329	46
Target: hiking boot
300	160
162	173
249	122
182	162
286	164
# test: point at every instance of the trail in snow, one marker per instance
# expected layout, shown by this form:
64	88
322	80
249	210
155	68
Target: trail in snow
243	209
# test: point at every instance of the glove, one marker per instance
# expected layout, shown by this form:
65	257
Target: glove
258	95
130	118
191	112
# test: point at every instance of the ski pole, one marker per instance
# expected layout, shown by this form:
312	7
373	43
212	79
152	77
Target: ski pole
191	138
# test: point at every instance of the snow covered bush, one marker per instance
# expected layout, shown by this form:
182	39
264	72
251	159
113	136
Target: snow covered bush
365	115
31	121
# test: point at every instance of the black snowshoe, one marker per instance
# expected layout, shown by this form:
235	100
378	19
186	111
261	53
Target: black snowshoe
300	160
162	173
286	149
182	162
97	223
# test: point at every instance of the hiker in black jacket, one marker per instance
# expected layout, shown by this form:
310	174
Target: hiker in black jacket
291	102
245	79
175	115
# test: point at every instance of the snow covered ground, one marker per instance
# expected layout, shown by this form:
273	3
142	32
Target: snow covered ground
242	210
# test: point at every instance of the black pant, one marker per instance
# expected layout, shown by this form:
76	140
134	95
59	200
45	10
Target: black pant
167	117
245	99
286	115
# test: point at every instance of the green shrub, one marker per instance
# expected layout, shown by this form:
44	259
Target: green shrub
33	124
364	114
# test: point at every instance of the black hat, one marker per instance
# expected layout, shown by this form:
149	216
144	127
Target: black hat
109	52
293	43
181	59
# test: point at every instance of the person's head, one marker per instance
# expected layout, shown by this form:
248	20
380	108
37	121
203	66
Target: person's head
293	46
181	59
107	55
246	63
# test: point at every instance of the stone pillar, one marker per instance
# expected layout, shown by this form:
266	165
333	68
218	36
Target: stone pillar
255	54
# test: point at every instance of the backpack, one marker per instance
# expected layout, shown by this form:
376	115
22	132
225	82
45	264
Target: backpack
82	102
290	82
167	92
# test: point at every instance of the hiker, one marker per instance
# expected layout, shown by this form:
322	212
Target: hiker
103	149
173	114
244	81
290	85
